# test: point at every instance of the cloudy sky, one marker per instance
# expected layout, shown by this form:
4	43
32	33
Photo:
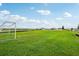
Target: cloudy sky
34	15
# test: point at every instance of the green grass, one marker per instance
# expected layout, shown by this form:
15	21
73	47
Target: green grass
40	43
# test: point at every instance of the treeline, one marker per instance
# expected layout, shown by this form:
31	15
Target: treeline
27	29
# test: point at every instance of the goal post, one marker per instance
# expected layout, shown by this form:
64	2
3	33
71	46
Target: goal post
15	31
7	26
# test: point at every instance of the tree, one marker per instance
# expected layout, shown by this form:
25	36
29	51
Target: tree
71	29
62	27
78	26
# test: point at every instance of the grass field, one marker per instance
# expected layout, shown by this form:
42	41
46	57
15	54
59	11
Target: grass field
40	43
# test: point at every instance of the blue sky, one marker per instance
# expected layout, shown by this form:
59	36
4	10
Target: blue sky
40	15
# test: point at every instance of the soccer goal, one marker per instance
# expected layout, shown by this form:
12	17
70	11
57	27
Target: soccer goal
8	28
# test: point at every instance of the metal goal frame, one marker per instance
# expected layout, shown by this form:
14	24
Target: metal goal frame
11	24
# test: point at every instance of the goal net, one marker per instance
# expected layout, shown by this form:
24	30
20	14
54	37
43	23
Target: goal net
8	30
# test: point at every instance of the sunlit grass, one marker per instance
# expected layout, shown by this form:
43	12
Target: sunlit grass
40	42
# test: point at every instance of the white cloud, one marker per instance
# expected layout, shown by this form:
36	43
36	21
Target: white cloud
0	4
31	20
45	22
6	15
49	24
44	12
67	14
15	17
34	21
4	12
59	18
23	19
41	23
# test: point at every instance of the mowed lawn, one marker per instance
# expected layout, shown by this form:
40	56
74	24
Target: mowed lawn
40	43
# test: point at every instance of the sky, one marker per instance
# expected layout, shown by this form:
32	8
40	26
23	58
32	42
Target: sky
40	15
